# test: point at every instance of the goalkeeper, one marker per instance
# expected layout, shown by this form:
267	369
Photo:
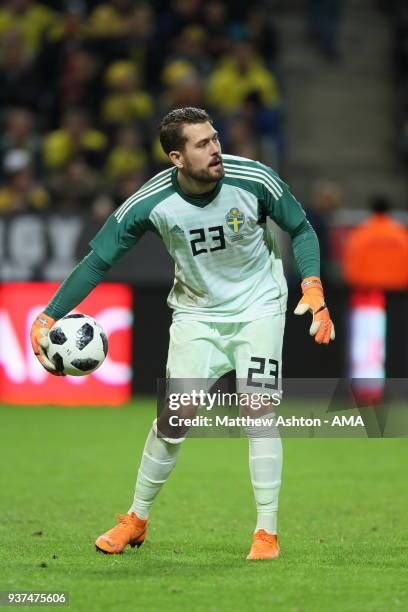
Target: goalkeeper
228	298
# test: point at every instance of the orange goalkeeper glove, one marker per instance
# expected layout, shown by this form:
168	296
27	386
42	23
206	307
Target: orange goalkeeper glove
39	341
322	327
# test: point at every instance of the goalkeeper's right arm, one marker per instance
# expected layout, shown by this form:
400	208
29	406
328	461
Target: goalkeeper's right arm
85	276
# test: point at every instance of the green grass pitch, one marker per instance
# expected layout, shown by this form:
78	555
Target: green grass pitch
65	471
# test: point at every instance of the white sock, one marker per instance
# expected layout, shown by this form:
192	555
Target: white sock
158	459
265	466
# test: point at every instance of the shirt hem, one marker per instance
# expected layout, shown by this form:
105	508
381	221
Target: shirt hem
243	317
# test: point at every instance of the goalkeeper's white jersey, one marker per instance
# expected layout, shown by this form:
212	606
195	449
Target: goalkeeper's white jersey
227	265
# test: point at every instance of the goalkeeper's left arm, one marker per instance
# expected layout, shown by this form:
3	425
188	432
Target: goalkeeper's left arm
306	251
85	276
290	216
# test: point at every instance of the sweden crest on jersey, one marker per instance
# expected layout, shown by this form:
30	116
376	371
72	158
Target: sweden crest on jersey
235	222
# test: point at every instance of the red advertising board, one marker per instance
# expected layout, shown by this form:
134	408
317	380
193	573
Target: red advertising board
24	381
367	345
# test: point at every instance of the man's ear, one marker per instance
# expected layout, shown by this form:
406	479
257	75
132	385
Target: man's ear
177	159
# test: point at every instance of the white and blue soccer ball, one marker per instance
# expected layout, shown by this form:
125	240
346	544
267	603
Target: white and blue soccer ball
77	345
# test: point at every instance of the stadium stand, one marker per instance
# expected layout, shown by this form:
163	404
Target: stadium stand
83	86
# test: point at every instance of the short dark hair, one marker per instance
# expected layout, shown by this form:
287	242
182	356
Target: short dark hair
171	126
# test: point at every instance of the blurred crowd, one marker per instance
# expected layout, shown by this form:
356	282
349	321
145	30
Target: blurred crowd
398	12
83	86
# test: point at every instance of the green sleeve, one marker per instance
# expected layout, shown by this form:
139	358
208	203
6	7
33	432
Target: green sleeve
287	212
122	232
85	276
306	250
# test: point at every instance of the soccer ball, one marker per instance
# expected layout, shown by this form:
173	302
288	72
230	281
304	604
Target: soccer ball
78	345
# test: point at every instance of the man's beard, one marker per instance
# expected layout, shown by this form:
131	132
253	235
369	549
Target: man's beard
205	175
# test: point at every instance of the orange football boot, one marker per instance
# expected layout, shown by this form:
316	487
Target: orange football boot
264	546
129	530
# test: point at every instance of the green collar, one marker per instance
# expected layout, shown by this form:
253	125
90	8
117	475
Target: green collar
200	200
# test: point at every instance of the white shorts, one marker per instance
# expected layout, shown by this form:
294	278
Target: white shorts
203	350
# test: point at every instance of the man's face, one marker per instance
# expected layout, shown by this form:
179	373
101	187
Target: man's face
201	156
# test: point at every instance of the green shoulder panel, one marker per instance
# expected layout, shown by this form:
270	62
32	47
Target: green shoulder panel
159	177
272	192
131	220
276	201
